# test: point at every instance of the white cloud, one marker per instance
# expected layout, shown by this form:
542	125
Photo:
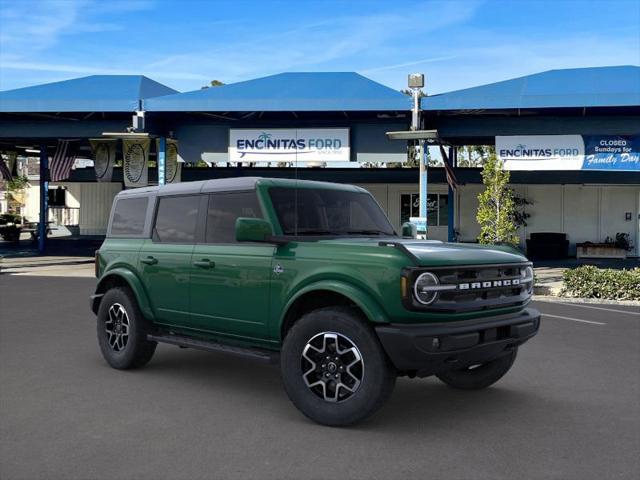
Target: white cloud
408	64
31	27
348	40
501	57
90	70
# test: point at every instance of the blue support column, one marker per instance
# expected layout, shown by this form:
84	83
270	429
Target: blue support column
162	160
423	181
44	199
453	153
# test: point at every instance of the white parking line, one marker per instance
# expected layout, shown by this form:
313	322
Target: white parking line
572	319
600	308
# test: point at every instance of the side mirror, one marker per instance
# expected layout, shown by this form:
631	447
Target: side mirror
409	230
252	230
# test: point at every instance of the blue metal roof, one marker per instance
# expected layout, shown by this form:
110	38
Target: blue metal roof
577	87
298	92
96	93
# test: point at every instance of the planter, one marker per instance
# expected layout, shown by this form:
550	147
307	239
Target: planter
599	250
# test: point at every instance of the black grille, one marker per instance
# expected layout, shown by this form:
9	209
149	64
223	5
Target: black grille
477	288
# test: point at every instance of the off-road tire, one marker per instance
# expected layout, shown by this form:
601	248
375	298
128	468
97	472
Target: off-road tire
378	375
481	376
137	351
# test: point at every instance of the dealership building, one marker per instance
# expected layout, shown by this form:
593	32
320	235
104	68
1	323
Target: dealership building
571	139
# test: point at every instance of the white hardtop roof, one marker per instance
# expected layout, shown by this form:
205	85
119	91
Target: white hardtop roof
220	185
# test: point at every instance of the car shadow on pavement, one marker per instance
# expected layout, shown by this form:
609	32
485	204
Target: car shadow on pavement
414	405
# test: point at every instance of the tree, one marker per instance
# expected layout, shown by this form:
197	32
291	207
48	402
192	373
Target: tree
474	155
496	209
213	83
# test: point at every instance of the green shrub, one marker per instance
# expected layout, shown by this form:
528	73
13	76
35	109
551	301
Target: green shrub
588	281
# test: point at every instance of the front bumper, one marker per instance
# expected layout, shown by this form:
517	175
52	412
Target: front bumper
426	349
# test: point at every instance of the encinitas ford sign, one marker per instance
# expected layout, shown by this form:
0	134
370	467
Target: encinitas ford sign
289	145
541	152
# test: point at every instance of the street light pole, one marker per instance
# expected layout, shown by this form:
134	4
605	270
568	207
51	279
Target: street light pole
416	83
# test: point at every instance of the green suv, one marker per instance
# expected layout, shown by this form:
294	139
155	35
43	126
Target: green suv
311	275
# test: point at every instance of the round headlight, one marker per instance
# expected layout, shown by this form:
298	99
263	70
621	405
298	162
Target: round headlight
526	274
526	278
423	288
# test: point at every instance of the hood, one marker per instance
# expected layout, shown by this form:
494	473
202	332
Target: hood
436	253
432	253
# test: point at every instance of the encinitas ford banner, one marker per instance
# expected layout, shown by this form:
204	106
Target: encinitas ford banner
541	152
289	145
569	152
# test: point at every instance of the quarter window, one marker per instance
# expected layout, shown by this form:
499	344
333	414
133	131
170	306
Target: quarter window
224	209
176	219
128	216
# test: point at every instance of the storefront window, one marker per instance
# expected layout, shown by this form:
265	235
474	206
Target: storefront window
437	212
409	206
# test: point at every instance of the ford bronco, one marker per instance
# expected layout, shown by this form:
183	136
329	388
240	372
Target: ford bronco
311	275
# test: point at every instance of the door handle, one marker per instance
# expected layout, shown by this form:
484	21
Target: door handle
204	263
149	260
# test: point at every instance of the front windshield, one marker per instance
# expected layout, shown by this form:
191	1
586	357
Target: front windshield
318	211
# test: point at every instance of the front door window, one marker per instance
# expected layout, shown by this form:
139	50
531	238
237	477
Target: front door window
230	280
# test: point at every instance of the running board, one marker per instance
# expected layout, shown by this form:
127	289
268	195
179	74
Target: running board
211	346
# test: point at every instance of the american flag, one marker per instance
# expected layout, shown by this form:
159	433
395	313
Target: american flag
62	160
4	170
448	169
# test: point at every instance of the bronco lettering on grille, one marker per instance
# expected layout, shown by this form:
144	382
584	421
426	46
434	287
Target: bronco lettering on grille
489	284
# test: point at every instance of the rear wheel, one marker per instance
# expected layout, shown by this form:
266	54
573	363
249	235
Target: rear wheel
476	377
334	368
122	331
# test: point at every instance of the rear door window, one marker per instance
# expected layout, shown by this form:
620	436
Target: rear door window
224	209
128	216
176	219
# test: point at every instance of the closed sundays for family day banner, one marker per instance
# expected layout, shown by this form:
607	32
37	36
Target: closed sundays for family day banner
289	145
569	152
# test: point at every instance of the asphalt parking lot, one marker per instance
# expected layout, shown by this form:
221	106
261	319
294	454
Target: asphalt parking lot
568	409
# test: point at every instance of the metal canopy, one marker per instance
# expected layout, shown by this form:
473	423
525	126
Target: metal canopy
617	86
96	93
288	92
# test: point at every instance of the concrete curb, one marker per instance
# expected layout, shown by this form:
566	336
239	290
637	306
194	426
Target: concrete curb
597	301
547	290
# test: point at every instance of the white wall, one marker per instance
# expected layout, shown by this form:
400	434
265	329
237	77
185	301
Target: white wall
31	208
93	199
580	214
583	212
95	205
614	203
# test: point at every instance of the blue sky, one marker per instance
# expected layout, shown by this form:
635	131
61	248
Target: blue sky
184	44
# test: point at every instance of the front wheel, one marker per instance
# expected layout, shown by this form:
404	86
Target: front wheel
476	377
333	367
